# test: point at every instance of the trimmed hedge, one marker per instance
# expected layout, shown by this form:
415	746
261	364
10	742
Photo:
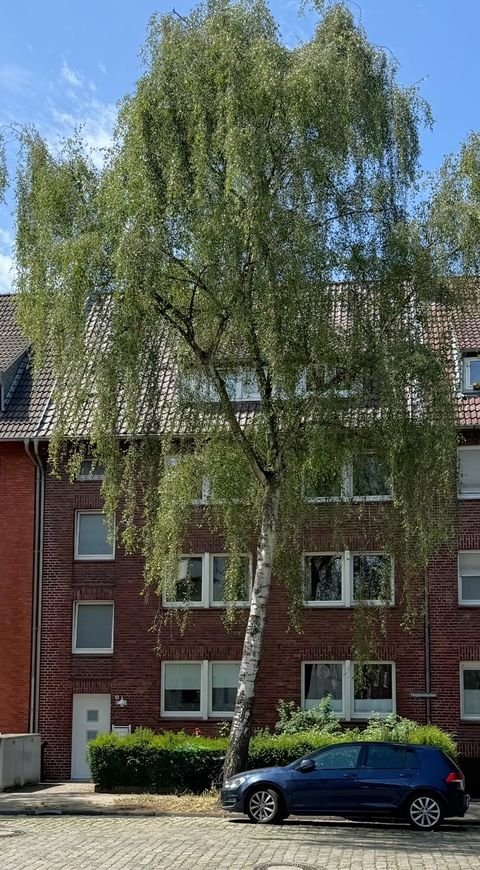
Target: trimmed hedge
179	762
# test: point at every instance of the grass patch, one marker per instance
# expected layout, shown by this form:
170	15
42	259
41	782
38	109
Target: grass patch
197	804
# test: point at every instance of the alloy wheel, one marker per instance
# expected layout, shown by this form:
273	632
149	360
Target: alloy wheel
263	806
425	812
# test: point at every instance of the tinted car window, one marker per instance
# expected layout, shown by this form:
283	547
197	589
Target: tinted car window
411	759
337	757
385	757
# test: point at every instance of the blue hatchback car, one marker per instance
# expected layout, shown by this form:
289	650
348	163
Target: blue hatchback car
354	780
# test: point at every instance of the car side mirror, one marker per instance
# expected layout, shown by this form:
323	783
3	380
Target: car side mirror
306	765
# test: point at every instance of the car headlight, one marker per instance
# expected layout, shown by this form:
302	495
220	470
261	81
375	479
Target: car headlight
235	782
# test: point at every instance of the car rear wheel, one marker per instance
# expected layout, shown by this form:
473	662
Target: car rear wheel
425	812
264	806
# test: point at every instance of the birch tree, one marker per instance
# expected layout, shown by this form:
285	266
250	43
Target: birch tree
249	225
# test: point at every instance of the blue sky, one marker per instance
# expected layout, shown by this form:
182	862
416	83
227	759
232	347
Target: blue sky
63	64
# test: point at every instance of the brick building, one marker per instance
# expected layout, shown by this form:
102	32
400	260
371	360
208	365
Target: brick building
20	492
100	666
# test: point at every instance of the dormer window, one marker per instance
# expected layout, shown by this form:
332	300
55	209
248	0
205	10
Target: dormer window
471	372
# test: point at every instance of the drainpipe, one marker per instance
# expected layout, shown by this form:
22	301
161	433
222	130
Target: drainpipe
428	682
37	581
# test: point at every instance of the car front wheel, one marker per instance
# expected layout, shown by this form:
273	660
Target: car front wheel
425	812
264	806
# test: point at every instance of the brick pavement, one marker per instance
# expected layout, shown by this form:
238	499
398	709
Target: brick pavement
193	843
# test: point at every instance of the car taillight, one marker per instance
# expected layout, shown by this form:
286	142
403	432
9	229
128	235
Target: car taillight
454	776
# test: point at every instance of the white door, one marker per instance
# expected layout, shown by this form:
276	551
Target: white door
91	716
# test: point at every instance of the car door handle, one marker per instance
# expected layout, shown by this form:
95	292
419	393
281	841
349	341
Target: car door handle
349	776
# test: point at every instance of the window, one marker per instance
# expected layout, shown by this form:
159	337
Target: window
370	477
372	577
223	685
471	373
321	679
343	580
91	470
356	691
323	486
182	688
366	478
93	629
372	689
190	581
201	581
382	757
470	690
199	690
337	757
92	536
323	579
241	387
469	577
469	472
218	569
203	493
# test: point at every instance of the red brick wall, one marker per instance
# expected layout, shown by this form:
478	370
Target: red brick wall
17	499
135	667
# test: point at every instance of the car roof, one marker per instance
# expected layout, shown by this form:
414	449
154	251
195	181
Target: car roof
421	746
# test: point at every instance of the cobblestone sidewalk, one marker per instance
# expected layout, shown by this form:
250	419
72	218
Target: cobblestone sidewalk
192	843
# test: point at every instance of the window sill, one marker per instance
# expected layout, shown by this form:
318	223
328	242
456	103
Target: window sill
469	603
466	496
474	720
95	558
315	605
187	715
92	652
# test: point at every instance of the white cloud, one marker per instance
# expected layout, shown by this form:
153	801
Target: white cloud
102	68
71	76
93	119
6	273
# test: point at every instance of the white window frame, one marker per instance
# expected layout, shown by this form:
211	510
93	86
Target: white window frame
93	650
474	493
212	603
191	605
466	602
211	713
346	490
467	384
467	666
347	599
95	476
207	585
342	602
205	711
354	602
348	686
171	461
351	677
342	714
102	557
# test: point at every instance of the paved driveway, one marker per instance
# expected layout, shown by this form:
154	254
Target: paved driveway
102	843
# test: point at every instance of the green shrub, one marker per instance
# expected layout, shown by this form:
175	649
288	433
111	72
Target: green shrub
156	762
295	720
178	762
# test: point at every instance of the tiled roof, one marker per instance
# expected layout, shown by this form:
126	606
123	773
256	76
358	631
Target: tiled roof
30	413
12	342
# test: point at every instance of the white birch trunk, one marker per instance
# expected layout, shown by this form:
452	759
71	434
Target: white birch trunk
237	752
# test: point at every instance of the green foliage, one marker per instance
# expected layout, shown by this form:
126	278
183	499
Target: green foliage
178	762
288	169
157	762
293	719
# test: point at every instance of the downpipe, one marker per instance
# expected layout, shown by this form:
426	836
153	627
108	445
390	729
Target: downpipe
36	460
